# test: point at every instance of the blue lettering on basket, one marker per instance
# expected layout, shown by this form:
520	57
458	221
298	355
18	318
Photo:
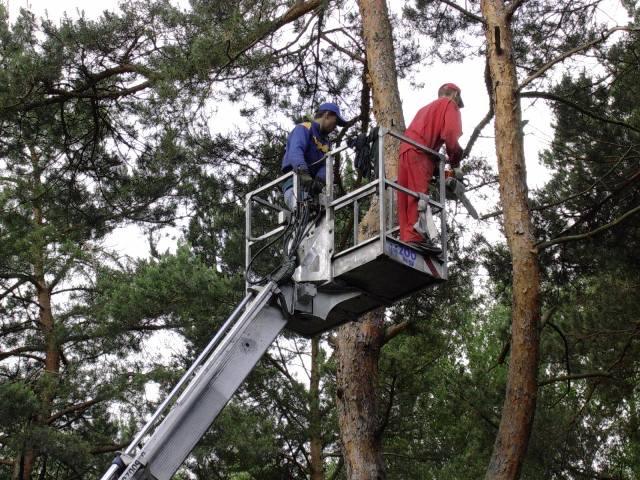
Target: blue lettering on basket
405	254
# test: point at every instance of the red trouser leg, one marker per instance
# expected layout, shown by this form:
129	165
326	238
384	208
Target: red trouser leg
414	172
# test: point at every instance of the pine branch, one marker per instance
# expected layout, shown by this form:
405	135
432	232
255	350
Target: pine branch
60	96
580	48
32	357
575	106
628	181
80	407
63	97
546	317
347	52
575	376
574	238
464	11
338	469
20	350
296	11
278	366
9	290
387	414
20	276
566	352
579	194
136	328
62	272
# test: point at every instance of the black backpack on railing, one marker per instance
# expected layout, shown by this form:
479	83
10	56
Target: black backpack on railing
366	147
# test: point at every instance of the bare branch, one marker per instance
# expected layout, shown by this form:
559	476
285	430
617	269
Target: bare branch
580	48
395	330
108	448
476	132
487	118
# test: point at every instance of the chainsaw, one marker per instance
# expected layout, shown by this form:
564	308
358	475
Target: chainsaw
455	190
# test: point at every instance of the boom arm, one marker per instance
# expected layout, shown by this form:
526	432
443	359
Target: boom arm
216	375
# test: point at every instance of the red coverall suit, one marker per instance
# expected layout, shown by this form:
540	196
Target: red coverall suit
435	124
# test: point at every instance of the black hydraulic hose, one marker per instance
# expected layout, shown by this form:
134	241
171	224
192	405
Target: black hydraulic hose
264	278
292	236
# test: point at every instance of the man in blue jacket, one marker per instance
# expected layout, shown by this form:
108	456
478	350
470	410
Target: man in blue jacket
307	143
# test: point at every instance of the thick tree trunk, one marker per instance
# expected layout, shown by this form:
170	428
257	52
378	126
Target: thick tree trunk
358	351
520	401
359	344
383	76
315	423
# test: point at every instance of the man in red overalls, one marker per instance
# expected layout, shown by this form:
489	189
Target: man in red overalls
435	124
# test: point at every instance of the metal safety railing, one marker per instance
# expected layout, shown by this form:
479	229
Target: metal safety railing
384	190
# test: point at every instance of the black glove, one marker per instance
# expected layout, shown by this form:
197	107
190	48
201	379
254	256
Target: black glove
305	179
316	187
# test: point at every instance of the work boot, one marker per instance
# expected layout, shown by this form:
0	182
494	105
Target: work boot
427	246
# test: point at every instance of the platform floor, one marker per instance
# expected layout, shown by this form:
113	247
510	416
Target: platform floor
382	278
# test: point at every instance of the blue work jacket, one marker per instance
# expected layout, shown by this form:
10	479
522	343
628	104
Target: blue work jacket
305	146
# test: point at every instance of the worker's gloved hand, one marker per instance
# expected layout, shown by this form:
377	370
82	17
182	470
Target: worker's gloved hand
305	179
316	186
457	172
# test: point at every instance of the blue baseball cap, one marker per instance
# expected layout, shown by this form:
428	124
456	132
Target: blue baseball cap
332	107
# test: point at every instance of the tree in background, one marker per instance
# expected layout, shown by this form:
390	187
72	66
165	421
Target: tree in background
82	154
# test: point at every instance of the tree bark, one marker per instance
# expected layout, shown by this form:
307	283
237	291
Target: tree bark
520	399
315	423
383	76
358	345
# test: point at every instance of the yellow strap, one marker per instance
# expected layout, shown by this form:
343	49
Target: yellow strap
319	145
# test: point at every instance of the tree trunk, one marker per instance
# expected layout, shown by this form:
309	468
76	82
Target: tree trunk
49	379
315	423
359	344
520	401
383	76
358	351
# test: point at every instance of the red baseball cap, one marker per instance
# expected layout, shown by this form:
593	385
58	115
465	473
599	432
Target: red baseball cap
453	86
